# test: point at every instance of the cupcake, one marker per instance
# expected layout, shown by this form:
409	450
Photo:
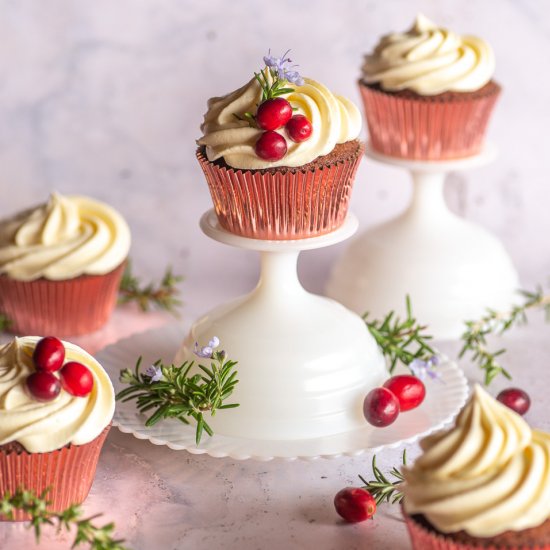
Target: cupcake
484	483
61	265
280	155
428	93
54	418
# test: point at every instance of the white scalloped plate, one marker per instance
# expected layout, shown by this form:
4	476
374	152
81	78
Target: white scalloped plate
443	401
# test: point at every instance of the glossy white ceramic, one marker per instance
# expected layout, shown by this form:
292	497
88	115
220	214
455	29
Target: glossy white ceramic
451	268
444	399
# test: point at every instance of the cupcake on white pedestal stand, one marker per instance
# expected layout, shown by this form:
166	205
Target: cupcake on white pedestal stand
452	269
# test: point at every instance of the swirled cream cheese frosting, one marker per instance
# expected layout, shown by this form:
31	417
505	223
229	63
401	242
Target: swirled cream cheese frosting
488	474
43	427
67	237
429	60
335	119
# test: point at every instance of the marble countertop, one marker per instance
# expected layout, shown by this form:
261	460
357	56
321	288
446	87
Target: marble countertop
165	499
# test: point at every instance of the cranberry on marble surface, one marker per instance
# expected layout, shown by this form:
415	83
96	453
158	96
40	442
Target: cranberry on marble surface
355	504
515	399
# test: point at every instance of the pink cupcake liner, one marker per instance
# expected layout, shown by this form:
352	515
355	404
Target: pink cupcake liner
60	308
424	539
68	472
427	129
281	205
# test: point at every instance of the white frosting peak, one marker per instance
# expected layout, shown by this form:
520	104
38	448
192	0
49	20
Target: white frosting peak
64	238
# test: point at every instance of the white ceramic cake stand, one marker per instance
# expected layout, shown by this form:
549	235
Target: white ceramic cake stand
305	363
452	269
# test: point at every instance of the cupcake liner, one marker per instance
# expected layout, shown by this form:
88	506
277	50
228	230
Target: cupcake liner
61	308
424	539
68	472
281	205
427	129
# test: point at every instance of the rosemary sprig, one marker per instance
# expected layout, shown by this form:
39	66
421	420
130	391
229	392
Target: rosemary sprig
381	488
275	89
169	391
400	340
98	538
475	336
5	322
163	296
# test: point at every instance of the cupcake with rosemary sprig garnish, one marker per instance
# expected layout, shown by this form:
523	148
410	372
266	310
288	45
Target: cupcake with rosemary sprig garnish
280	155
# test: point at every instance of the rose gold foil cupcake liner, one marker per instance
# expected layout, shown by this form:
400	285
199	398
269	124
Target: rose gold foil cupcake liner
68	473
61	308
424	539
281	205
427	129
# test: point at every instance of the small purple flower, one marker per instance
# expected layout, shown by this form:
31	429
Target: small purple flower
154	373
423	369
207	351
281	66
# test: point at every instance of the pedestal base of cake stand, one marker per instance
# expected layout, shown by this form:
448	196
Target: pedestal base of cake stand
305	362
451	268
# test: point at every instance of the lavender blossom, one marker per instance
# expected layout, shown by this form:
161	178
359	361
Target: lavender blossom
422	369
207	351
154	373
281	66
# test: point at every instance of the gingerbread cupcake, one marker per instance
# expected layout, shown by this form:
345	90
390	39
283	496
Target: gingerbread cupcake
280	155
56	407
61	265
484	483
428	93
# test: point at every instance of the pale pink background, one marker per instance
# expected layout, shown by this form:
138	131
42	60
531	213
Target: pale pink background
105	98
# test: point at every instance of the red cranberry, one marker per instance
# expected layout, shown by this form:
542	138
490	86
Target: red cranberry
273	113
299	128
271	146
43	385
49	354
76	379
515	399
409	390
380	407
355	504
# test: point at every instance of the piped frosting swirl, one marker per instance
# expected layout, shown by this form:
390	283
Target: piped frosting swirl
488	474
62	239
335	119
43	427
429	60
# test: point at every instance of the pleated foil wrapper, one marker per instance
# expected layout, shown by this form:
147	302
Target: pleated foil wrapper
427	129
60	308
424	539
68	472
281	205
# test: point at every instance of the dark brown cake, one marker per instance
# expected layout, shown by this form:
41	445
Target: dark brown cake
535	537
12	447
341	153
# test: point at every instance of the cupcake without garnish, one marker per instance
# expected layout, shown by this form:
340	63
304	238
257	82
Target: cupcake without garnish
56	407
428	93
61	265
280	155
484	483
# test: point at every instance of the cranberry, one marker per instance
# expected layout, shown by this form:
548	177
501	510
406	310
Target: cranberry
76	379
380	407
355	504
515	399
409	390
299	128
271	146
43	385
49	354
273	113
